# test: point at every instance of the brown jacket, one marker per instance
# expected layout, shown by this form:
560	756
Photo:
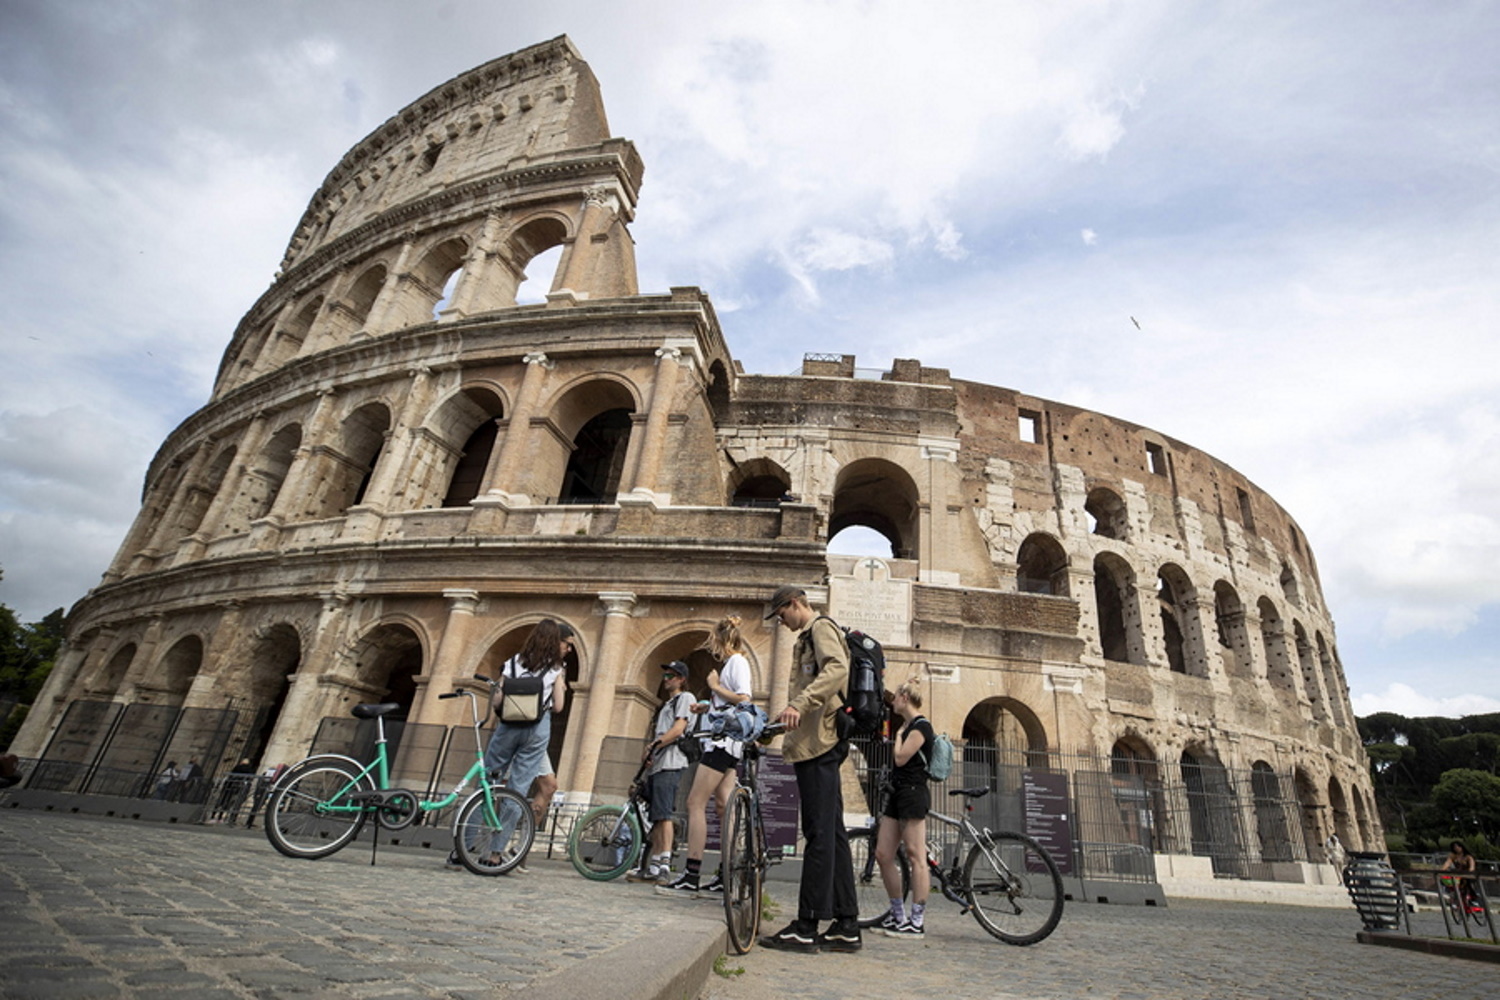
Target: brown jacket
818	679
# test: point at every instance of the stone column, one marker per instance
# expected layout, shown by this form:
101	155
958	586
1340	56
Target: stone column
506	459
395	458
219	660
454	643
72	665
783	646
144	662
600	698
653	440
377	319
300	713
162	537
476	270
292	500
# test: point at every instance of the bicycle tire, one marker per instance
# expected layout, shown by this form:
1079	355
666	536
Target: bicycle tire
492	834
606	842
869	887
741	875
297	817
1021	901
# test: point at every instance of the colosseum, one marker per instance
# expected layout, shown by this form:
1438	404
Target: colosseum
400	470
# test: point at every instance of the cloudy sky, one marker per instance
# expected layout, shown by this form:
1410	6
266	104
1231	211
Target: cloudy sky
1299	203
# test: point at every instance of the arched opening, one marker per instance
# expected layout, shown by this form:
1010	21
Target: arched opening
1305	660
880	495
597	462
533	254
1333	690
1338	806
452	459
274	655
1181	632
1309	799
1273	828
717	391
436	277
174	676
361	440
1136	782
1042	566
1213	811
362	296
287	342
1106	514
109	679
262	484
1273	643
759	482
200	495
1007	730
595	418
1119	620
1289	583
387	662
1229	628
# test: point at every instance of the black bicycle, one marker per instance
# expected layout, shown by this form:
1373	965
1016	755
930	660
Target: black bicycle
608	841
745	854
1007	880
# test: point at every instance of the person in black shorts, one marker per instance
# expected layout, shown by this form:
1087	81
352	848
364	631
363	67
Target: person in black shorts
905	817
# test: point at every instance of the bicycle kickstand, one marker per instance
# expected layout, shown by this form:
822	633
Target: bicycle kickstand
375	842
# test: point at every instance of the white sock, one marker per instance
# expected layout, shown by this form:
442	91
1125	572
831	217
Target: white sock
897	910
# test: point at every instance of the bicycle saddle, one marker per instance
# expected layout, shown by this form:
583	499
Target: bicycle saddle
373	711
972	793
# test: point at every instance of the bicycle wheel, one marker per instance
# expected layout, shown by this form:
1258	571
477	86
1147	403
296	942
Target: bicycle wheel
742	874
869	888
493	832
309	813
1013	887
606	843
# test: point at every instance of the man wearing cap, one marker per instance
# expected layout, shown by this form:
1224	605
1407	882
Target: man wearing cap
814	750
667	765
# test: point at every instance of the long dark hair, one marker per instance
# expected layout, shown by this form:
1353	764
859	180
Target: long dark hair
543	647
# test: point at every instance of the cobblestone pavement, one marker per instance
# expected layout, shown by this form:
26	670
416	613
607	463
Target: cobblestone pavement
1190	949
108	908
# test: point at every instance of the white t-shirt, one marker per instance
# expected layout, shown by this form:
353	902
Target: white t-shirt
734	675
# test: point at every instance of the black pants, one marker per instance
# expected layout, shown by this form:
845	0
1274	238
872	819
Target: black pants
827	890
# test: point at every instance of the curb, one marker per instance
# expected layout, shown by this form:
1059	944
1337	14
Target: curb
1432	946
644	969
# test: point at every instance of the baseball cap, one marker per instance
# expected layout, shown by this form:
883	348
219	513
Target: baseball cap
675	667
784	596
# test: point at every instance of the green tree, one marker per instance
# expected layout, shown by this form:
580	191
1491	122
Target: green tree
1469	801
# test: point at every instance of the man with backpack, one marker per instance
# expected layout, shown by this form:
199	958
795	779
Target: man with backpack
815	749
668	763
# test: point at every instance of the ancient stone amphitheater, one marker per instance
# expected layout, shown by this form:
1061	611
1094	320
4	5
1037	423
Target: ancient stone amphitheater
400	470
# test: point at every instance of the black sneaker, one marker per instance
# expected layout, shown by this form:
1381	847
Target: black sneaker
715	885
799	935
685	885
453	861
906	929
842	935
888	922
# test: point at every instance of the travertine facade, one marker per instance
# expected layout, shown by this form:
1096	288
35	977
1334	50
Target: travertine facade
400	470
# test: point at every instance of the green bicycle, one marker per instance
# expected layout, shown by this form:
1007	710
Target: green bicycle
321	803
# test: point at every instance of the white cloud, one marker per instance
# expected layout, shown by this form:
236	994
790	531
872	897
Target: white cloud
1089	237
1406	700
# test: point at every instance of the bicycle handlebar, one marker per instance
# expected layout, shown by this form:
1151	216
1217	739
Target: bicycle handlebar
452	694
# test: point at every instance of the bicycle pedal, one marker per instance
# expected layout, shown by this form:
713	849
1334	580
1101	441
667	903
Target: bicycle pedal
773	854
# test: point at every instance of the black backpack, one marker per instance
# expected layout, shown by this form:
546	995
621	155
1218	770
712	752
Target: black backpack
864	710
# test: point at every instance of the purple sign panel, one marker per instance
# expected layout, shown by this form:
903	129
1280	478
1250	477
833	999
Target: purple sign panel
778	806
1044	801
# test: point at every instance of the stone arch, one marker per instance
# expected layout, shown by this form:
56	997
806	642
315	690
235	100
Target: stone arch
174	673
1288	580
351	314
435	277
1339	812
1132	754
1273	828
595	417
1135	777
1332	689
880	495
717	390
758	482
1231	631
361	440
1106	513
528	241
1361	821
1182	633
1309	665
274	656
1310	802
109	678
387	660
1213	810
250	350
1278	661
1042	566
1007	728
469	416
262	483
200	495
1120	637
286	343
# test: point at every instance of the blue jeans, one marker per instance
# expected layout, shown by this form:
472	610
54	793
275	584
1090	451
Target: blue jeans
516	755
